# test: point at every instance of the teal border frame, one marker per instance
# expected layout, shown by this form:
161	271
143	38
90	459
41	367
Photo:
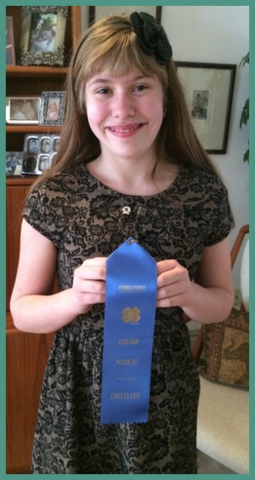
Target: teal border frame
251	5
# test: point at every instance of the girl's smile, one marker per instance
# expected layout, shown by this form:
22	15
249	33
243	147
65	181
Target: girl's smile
126	130
125	108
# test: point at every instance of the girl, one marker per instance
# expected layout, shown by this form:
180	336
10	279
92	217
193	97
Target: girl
128	163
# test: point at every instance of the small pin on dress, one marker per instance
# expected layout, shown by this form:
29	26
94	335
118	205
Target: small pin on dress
126	210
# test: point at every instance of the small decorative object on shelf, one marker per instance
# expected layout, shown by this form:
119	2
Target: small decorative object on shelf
10	50
52	109
43	35
39	153
14	163
22	110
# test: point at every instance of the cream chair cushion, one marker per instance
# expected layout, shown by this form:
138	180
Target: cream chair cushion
223	424
223	411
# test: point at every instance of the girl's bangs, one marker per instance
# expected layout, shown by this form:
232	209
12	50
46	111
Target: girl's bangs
119	60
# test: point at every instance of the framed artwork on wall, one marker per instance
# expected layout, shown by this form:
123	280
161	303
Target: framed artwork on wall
208	88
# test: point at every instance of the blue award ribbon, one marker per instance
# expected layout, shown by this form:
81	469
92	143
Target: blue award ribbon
131	290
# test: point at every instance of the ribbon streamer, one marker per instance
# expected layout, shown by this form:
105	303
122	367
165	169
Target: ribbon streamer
131	290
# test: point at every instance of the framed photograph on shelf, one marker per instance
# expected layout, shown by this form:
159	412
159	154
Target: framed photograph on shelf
98	12
52	110
10	48
39	151
14	163
22	110
43	35
209	90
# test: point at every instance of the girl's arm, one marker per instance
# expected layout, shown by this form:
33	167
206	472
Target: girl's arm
33	306
207	300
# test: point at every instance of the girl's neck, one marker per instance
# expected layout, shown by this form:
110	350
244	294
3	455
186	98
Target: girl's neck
132	177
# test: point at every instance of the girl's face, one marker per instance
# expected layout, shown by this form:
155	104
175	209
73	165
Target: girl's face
125	113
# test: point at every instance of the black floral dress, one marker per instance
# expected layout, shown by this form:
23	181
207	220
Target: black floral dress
85	218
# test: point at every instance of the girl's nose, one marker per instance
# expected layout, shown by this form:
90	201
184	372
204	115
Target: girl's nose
123	106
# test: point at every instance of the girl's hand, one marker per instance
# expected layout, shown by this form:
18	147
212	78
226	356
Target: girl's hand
89	283
174	285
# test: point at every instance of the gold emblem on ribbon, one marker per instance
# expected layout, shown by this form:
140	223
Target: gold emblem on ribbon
131	315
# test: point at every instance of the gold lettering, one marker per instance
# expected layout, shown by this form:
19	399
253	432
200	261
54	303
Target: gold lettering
125	396
128	341
132	288
127	361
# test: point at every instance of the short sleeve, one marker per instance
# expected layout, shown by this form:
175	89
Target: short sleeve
43	211
222	220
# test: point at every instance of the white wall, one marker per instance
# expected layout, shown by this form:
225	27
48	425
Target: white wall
219	35
216	35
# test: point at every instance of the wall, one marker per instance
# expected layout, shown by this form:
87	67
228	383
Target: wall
218	35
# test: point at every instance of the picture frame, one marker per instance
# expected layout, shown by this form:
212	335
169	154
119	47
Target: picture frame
23	110
98	12
10	45
39	151
208	89
14	163
43	35
52	109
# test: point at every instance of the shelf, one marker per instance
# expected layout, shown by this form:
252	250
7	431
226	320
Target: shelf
20	180
32	129
23	72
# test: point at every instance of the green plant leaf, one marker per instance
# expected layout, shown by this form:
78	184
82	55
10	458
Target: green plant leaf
246	156
245	114
245	111
245	59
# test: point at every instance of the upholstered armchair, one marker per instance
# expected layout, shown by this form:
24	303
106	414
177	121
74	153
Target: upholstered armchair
221	352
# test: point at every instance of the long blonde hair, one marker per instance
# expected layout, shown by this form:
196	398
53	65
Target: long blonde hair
111	44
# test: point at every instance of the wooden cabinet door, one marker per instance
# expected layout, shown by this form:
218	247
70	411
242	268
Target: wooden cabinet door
26	356
15	197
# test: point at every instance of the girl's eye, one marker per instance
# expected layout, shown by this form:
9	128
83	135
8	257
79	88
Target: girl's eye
103	91
140	88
